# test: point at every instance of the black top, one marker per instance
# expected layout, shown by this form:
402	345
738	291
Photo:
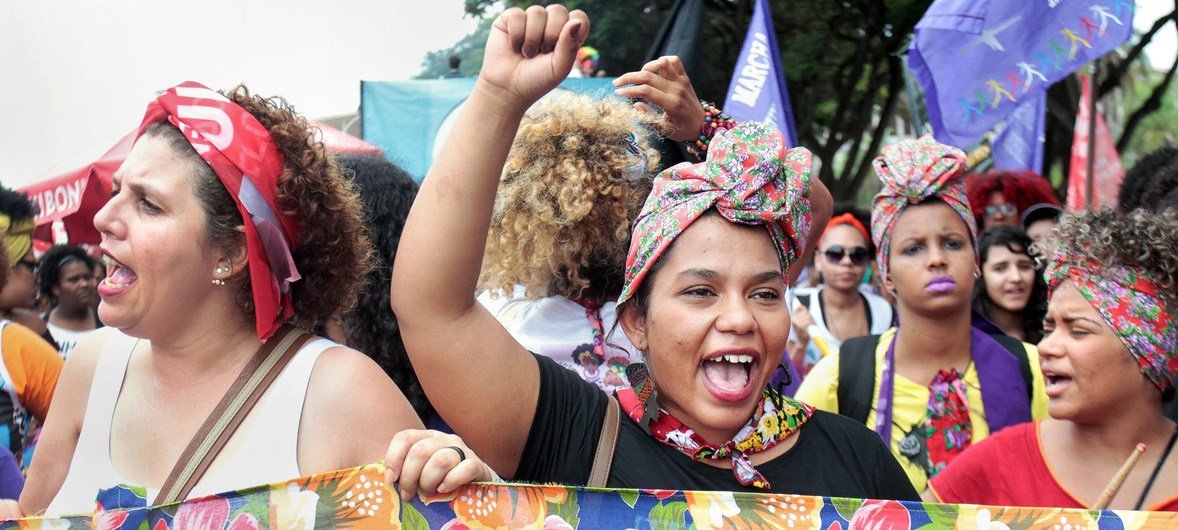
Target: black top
834	456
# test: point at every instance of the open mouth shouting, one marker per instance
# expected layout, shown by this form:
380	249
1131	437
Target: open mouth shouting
119	278
1055	383
731	375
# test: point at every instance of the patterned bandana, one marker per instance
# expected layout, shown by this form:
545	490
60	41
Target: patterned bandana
1138	309
947	427
245	159
18	237
769	425
912	172
749	178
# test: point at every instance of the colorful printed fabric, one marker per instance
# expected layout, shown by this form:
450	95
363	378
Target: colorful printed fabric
18	237
243	155
358	498
593	314
749	178
912	172
775	419
948	430
1140	311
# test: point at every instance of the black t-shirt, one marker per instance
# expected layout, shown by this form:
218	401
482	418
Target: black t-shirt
834	456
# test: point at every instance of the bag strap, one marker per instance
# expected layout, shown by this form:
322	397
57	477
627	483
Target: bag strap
606	445
1016	348
856	378
257	375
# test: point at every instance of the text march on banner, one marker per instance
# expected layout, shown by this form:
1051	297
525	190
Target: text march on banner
978	60
1106	166
359	498
758	91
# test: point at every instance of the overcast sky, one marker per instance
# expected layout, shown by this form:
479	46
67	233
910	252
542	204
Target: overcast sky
75	75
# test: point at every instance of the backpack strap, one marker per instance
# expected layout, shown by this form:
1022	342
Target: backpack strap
856	377
607	443
1016	348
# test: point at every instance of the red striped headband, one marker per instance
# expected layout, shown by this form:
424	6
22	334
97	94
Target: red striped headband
244	157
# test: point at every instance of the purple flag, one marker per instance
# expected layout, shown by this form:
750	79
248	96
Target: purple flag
757	91
979	59
1019	145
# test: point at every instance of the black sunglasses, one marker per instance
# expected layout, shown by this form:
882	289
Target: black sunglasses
859	255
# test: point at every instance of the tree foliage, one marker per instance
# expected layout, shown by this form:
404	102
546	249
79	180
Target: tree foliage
843	62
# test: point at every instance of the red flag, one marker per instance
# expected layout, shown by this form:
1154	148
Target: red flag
1107	168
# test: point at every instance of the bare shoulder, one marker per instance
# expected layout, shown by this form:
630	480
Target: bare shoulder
349	393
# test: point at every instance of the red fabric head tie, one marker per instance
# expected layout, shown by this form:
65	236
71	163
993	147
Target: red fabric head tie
849	220
245	159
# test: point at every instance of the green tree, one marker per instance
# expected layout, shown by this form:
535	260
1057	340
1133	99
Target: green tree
843	63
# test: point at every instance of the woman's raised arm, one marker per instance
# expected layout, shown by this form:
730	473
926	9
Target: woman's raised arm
483	382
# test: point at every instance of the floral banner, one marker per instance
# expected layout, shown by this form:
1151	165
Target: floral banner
358	498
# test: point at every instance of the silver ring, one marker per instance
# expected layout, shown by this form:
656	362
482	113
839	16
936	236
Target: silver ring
461	453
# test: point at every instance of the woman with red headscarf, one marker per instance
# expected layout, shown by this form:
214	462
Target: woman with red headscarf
712	255
229	229
1109	358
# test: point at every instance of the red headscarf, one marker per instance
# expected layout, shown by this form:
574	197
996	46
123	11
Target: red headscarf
244	157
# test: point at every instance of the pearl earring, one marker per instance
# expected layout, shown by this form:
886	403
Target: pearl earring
220	270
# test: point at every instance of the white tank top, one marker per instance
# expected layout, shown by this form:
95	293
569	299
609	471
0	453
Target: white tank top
263	450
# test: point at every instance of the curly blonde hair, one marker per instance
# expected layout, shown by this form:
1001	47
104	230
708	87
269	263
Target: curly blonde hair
333	255
1141	240
577	175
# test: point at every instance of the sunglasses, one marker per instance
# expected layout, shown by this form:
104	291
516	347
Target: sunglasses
1004	209
859	255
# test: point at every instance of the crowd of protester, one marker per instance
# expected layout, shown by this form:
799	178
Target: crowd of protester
555	305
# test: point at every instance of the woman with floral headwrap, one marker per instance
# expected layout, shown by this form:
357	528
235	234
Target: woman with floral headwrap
711	257
1109	358
935	383
229	229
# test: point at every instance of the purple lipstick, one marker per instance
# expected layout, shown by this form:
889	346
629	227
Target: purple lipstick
941	285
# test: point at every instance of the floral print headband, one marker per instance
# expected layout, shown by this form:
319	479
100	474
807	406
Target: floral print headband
1137	308
749	177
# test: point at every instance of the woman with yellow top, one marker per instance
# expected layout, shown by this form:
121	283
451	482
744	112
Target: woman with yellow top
942	379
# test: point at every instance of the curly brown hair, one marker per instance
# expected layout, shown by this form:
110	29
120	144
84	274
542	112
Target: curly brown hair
577	175
333	255
1142	240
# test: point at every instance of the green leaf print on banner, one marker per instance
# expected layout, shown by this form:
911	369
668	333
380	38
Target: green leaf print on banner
411	519
668	516
941	515
568	510
846	508
629	496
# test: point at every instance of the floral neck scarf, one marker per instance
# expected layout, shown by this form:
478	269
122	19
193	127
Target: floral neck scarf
775	419
947	428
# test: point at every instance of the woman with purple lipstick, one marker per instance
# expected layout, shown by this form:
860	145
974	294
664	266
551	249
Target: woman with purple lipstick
942	379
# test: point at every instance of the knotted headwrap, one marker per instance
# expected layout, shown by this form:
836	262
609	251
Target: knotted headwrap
18	237
912	172
749	178
246	160
1137	308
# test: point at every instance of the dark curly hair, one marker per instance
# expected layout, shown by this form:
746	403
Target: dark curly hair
1022	188
333	254
1018	242
1152	183
56	258
386	192
16	204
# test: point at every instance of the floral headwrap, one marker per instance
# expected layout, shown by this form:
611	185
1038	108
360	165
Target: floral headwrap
18	237
749	178
912	172
1139	310
243	155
